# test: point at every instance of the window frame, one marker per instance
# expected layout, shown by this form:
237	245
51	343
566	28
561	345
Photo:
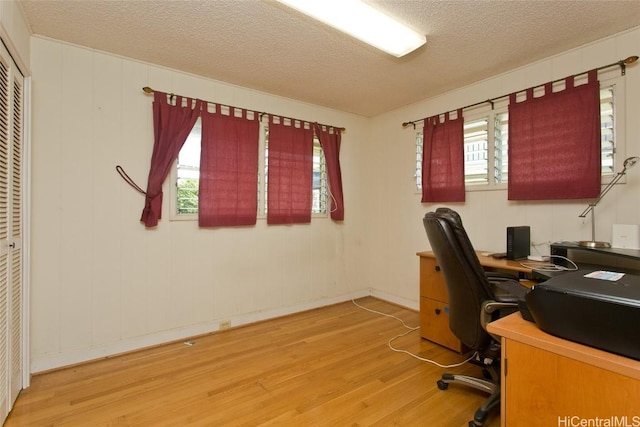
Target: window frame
174	181
490	115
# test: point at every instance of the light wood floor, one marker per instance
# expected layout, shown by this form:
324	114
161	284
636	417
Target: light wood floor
324	367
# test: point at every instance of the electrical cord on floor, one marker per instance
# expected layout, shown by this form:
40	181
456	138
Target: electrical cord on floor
412	329
424	359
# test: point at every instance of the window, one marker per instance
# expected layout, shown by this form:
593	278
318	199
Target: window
500	145
319	203
319	190
607	130
187	171
476	138
476	150
486	143
477	155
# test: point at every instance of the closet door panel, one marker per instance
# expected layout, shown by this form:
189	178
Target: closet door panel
5	144
15	243
11	226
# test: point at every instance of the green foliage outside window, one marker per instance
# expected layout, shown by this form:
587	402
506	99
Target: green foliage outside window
188	196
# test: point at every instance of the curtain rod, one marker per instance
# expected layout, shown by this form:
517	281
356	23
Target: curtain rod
149	91
622	64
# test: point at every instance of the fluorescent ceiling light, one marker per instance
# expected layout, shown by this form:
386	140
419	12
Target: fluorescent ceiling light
363	22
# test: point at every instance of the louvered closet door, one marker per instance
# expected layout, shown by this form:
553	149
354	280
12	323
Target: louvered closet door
15	239
11	136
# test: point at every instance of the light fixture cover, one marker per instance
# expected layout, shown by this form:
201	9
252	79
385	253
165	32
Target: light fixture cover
363	22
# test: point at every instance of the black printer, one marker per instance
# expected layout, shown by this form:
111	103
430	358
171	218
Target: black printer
599	313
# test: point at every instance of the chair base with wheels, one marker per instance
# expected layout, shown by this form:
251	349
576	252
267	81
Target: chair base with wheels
490	386
489	360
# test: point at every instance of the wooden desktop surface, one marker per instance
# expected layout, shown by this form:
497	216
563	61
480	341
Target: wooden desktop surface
495	263
515	328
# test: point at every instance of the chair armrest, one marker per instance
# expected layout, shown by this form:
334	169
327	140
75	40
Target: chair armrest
495	275
508	290
489	307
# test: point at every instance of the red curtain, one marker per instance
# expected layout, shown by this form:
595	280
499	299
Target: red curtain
171	125
228	170
443	159
290	173
330	142
554	143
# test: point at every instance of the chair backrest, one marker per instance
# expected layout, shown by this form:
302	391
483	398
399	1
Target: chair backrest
466	281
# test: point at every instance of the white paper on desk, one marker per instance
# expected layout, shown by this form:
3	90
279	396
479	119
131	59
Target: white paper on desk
605	275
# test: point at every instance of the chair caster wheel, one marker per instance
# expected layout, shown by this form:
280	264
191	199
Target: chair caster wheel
473	424
442	385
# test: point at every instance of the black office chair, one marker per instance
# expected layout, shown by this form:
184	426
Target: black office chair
475	298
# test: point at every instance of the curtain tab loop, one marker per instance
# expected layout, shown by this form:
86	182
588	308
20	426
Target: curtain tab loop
569	82
548	88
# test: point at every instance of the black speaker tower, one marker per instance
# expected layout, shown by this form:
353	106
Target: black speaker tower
518	242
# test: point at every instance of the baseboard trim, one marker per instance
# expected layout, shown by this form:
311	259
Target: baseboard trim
404	302
51	362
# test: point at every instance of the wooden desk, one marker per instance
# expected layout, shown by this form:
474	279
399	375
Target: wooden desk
549	381
493	264
434	299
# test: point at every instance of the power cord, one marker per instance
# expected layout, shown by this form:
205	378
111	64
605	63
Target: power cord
551	266
473	355
410	330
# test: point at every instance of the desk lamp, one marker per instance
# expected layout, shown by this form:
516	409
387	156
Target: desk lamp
630	161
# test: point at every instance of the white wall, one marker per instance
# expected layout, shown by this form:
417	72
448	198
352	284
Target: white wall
14	32
101	282
398	221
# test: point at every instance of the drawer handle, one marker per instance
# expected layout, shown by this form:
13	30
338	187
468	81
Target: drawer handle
438	311
437	268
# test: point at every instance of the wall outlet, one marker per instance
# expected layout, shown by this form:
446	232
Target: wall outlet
225	324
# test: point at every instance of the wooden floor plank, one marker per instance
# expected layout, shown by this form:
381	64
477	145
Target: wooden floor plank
325	367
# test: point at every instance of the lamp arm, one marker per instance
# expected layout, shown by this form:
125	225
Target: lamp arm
628	162
604	191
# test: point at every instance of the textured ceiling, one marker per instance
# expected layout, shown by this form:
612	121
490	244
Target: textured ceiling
263	45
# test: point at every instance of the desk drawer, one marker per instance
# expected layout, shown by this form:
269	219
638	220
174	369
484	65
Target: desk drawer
432	281
434	324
